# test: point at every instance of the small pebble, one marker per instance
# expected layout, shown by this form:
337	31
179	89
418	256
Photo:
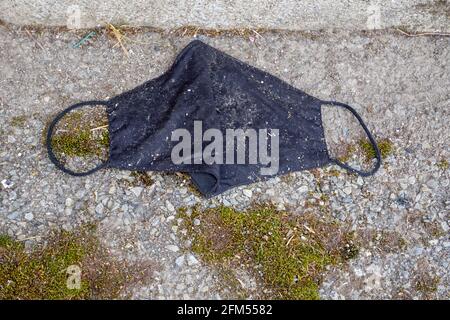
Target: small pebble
69	202
347	190
170	206
7	183
29	216
172	248
137	191
192	260
179	261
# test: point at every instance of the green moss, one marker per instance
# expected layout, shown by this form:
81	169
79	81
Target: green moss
42	273
443	164
385	145
143	178
350	250
427	284
288	178
80	143
74	144
402	243
185	179
104	139
76	140
334	172
349	151
290	253
5	241
230	282
18	121
322	204
324	197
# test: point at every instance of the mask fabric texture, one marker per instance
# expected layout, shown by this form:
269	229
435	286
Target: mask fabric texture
206	90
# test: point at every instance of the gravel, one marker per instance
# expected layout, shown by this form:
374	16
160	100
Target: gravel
398	84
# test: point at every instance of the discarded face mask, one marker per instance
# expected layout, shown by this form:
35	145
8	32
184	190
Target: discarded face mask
200	116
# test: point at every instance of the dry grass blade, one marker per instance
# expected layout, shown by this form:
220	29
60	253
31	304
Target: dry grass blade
193	31
423	34
34	40
101	127
118	35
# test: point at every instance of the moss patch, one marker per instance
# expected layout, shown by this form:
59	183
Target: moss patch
346	155
43	273
18	121
104	139
334	173
385	145
350	248
183	179
288	253
427	285
364	147
443	164
82	134
231	283
143	178
385	241
74	144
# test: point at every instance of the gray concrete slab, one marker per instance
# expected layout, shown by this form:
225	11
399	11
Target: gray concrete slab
273	14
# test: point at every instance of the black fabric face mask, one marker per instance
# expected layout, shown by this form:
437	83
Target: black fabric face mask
209	89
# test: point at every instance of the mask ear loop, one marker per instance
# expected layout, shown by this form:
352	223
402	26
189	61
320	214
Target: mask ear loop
369	135
51	129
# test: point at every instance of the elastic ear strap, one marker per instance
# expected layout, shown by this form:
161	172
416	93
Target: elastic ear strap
51	129
369	135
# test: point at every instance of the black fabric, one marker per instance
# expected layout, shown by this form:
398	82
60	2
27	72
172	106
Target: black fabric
208	85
